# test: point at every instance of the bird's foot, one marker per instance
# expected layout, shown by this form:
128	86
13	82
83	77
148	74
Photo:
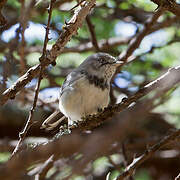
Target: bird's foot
73	125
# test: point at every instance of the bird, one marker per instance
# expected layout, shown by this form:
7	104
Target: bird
85	90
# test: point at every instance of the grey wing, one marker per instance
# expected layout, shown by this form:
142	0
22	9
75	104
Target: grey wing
70	79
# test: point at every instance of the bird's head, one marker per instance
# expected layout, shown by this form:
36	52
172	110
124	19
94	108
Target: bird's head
102	65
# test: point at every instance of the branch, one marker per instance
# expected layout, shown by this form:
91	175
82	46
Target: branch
170	5
153	48
149	152
41	170
69	29
164	24
138	15
92	32
163	83
106	44
23	26
23	19
103	44
135	42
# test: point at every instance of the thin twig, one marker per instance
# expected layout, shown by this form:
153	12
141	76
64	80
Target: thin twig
41	170
22	27
125	160
117	167
153	48
149	152
79	3
135	42
30	122
26	13
92	32
106	44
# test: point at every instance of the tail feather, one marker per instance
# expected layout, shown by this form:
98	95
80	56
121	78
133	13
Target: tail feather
53	120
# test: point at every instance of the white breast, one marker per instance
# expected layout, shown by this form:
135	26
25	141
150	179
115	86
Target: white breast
81	99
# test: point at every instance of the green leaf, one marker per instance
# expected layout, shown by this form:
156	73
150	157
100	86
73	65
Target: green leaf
4	156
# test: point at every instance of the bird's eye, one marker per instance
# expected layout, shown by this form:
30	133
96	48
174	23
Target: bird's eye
102	62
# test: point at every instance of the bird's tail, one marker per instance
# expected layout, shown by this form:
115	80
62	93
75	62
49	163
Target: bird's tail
53	121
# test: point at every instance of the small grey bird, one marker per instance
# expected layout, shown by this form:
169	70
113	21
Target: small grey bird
85	90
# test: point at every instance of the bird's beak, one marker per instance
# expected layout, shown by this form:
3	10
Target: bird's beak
118	63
